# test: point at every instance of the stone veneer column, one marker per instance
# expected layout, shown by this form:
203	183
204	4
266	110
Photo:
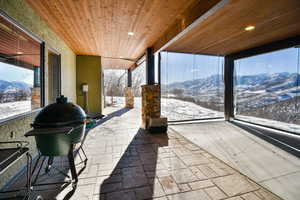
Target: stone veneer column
35	98
150	104
129	98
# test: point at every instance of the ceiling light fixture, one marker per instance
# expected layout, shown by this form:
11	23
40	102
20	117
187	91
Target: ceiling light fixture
249	28
131	33
19	52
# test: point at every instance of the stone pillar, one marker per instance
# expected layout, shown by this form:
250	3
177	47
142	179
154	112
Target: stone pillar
150	104
129	98
35	98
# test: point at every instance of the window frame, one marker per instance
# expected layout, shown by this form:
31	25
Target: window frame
160	60
259	50
51	49
42	67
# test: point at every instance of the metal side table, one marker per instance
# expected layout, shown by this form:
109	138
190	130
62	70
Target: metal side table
9	155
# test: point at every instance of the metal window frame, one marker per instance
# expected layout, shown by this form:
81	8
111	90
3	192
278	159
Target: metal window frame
266	48
195	119
42	63
54	51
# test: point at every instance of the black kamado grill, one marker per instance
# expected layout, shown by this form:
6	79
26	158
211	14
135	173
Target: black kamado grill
57	129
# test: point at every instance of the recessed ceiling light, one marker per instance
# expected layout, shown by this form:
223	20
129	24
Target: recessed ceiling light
131	33
121	57
19	52
249	28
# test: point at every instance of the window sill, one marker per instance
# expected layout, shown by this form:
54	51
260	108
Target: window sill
19	116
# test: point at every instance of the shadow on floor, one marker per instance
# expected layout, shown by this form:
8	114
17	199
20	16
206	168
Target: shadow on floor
117	113
133	176
60	164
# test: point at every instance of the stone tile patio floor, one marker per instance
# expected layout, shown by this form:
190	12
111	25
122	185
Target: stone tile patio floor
127	163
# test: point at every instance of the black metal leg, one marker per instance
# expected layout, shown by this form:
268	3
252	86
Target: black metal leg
38	173
72	166
28	186
83	152
49	164
36	163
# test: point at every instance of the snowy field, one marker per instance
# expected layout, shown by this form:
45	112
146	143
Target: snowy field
14	108
180	110
174	109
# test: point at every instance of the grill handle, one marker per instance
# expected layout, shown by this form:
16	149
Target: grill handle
49	131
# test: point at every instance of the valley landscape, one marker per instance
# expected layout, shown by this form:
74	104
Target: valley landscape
262	96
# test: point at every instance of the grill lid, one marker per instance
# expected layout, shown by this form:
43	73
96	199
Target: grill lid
61	113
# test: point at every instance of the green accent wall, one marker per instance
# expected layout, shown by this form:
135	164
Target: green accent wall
89	70
14	129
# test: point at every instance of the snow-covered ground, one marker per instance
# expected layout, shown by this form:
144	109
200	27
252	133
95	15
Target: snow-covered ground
14	108
174	109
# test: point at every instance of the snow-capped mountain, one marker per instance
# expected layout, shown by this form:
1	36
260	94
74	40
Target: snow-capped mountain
260	89
203	84
269	96
13	86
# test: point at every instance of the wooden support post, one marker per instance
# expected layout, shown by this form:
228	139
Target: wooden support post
228	93
150	71
129	78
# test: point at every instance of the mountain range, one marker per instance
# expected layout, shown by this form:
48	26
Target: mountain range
259	89
13	86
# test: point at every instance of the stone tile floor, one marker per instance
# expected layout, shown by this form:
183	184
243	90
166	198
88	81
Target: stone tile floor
265	163
127	163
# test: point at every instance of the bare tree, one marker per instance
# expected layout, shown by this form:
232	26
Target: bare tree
114	83
138	79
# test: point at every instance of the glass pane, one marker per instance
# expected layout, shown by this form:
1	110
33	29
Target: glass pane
192	86
156	70
138	79
209	86
20	90
267	89
53	76
114	87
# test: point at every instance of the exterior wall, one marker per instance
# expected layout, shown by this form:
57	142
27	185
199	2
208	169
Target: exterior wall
88	70
14	129
26	16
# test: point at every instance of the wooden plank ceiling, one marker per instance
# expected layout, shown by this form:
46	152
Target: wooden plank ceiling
224	32
100	27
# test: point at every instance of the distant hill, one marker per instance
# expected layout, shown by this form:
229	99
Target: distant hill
271	82
203	84
260	89
270	96
13	86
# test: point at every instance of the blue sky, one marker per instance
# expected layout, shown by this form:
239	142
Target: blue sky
14	73
279	61
178	67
